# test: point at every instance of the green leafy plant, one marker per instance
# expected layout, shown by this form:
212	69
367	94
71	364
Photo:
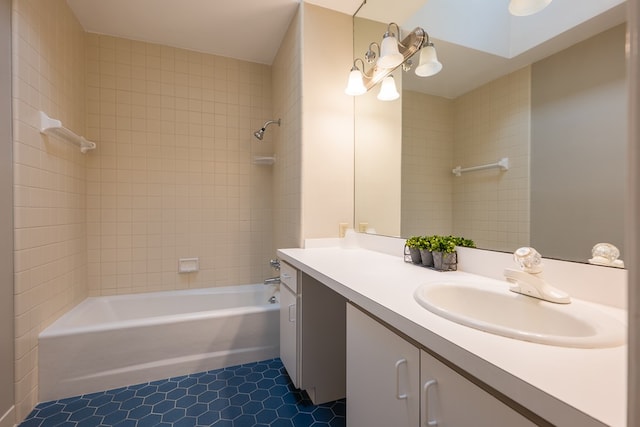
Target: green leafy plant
413	242
446	244
462	242
425	243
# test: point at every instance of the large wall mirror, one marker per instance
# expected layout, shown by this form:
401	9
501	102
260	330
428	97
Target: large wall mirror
547	91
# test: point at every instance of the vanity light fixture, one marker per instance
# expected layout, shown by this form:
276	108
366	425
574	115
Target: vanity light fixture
527	7
355	86
388	90
391	55
429	64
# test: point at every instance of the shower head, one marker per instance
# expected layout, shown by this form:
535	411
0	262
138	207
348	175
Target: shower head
260	133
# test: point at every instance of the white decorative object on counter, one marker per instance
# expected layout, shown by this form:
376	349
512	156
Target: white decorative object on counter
606	254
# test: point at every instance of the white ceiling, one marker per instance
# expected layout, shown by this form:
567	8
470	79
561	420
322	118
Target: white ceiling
251	30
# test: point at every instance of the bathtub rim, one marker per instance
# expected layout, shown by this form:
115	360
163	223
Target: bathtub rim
55	330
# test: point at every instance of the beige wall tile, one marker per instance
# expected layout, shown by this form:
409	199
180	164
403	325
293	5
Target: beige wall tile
50	233
173	172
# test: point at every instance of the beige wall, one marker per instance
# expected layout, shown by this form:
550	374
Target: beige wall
491	122
7	415
579	132
427	156
49	179
327	122
172	176
287	103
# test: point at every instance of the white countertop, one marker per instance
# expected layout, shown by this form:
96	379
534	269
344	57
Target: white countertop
566	386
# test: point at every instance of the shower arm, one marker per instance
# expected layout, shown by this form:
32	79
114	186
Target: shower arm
268	122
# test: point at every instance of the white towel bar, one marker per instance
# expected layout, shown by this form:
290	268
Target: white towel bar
51	126
503	164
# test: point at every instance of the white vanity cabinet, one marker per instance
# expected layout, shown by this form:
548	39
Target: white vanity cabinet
289	321
450	400
383	375
312	335
391	382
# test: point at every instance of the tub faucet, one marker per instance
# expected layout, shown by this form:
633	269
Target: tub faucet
529	281
272	281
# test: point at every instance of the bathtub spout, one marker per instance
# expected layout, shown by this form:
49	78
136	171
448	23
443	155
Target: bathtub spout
272	281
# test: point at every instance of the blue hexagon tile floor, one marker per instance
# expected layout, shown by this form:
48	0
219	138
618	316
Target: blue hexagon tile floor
251	395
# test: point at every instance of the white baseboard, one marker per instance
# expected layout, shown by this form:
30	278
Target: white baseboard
9	418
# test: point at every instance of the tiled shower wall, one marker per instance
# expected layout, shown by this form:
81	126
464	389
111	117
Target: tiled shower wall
172	176
287	102
49	179
491	122
427	156
477	128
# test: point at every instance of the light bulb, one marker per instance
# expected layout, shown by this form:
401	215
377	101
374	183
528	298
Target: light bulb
388	91
429	64
355	85
390	56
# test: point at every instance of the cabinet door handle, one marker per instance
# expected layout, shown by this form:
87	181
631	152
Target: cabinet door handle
292	306
285	276
428	421
399	395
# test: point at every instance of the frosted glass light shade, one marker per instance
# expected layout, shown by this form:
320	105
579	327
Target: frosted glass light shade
390	56
527	7
429	64
388	91
355	85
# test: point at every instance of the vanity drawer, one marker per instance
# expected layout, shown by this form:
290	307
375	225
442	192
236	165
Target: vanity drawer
289	276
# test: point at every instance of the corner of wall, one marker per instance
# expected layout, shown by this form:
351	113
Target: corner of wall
327	122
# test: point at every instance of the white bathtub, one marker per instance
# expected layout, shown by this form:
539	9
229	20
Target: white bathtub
110	342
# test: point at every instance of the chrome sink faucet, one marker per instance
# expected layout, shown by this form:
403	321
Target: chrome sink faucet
529	281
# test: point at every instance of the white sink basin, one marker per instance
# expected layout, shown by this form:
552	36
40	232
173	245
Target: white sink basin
493	308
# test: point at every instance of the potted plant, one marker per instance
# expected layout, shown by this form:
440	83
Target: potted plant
413	243
445	257
425	244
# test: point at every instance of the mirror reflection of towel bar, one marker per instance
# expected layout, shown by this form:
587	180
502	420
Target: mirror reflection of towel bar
502	164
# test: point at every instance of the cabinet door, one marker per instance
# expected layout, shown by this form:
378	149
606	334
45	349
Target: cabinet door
450	400
288	333
383	372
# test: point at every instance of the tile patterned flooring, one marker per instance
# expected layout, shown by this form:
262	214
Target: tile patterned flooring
255	394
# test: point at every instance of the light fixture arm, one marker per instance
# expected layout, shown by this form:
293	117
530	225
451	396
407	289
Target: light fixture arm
427	40
408	47
363	71
389	33
371	56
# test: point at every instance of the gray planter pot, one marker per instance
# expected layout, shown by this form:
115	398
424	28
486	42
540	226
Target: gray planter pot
415	255
445	261
427	257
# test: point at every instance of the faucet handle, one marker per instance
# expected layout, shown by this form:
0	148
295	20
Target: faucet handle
529	260
275	263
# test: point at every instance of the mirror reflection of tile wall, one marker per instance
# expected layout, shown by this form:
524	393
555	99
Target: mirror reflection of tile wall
480	127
